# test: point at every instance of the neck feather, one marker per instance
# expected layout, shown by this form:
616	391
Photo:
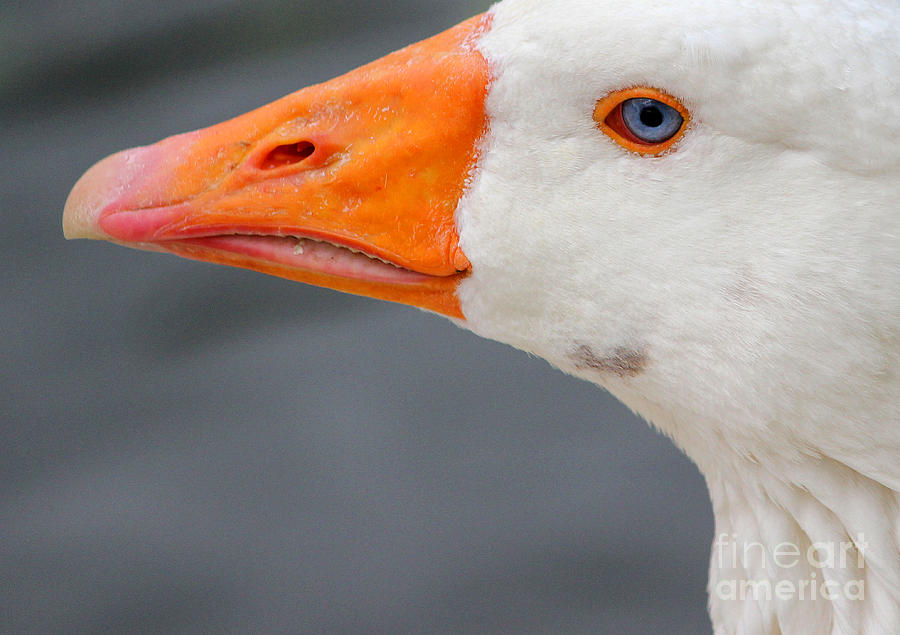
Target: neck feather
807	535
804	546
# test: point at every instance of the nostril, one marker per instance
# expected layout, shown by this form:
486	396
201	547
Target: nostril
288	154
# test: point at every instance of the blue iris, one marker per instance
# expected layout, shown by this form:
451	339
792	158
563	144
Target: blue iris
651	120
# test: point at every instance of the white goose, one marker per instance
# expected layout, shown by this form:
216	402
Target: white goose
694	205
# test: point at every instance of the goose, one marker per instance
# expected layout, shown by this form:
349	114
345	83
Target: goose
693	205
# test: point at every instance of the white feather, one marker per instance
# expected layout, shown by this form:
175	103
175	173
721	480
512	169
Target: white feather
742	292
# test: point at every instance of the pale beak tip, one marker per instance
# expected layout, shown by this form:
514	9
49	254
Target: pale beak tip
87	200
94	192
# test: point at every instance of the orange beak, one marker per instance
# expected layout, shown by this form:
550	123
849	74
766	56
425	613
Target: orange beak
351	184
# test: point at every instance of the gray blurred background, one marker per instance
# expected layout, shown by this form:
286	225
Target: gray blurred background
192	449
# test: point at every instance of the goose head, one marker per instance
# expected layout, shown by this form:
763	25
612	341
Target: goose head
693	205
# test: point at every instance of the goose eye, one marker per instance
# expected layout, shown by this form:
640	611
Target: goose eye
643	120
650	120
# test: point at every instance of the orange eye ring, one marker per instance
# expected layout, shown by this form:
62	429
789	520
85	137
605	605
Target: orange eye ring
608	115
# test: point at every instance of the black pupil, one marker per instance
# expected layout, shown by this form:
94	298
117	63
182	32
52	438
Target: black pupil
651	116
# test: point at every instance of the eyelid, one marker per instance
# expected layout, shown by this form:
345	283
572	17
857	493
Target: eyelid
609	108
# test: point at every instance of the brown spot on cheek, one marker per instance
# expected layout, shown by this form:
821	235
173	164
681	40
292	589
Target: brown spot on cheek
621	361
